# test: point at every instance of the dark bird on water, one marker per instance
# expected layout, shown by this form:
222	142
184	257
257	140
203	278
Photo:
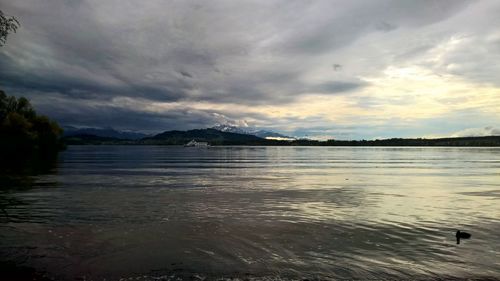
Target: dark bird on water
461	235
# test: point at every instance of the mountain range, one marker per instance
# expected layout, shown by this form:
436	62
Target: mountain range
251	131
217	135
107	132
210	135
223	136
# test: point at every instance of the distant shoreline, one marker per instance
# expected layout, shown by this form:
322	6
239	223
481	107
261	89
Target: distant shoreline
487	141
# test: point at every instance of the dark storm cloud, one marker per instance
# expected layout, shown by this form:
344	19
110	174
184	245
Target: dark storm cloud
351	20
244	52
76	113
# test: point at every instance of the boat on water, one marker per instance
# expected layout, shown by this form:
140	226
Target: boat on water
194	143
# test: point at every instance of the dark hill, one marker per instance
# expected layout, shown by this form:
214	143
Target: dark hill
212	136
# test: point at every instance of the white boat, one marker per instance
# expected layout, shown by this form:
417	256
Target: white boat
197	144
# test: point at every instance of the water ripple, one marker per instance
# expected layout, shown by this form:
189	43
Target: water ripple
256	213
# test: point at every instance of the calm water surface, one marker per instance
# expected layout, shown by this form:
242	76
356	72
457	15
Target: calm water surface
146	212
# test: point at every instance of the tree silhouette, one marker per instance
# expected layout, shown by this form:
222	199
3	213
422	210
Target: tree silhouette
23	132
8	24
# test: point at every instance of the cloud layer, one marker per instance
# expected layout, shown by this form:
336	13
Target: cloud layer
343	69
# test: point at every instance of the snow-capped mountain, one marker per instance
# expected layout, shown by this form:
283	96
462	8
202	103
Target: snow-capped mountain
229	129
250	131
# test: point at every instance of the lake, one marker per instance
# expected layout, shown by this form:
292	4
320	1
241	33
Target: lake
159	212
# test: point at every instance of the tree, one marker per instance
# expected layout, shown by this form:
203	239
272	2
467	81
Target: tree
23	132
8	24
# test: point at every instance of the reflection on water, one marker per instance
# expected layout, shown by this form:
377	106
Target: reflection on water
290	212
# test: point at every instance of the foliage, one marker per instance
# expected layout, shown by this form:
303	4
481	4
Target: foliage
8	24
23	132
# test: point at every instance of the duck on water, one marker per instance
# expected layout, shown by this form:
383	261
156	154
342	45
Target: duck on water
462	235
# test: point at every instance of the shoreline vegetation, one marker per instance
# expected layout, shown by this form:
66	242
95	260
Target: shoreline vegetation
25	135
217	138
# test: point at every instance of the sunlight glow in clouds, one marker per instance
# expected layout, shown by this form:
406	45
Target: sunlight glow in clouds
343	69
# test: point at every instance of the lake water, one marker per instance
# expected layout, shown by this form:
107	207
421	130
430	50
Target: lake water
153	212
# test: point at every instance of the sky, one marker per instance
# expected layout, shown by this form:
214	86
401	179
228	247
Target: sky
316	69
